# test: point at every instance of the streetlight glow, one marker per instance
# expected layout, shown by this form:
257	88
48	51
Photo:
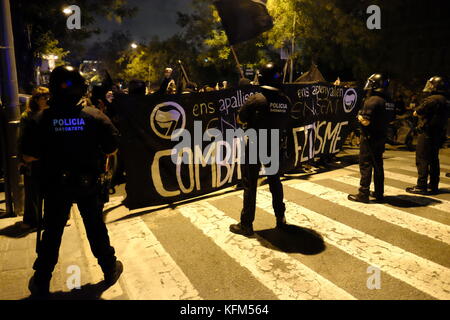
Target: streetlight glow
67	11
134	45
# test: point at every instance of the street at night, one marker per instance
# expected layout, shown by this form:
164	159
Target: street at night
225	159
187	252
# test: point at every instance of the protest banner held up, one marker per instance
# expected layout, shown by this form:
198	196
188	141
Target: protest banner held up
152	126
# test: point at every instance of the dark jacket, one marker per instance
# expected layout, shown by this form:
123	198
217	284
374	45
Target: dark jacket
376	109
70	141
433	115
270	109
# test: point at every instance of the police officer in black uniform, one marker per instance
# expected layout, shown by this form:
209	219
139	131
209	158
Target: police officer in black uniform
270	110
374	120
70	141
433	119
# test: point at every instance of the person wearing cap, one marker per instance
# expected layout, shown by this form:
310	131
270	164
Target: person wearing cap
168	84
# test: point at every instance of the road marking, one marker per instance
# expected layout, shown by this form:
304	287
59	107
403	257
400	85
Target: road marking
401	177
409	179
418	272
95	273
113	202
429	228
286	277
149	271
443	205
412	165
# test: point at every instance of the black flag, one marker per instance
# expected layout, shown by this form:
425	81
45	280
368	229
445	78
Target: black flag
243	19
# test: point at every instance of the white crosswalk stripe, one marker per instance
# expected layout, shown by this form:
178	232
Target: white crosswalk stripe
423	274
444	167
149	271
293	281
409	179
401	177
431	229
400	193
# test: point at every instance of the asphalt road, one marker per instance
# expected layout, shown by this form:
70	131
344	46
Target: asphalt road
334	248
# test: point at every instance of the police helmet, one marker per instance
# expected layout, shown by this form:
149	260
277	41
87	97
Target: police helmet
270	75
377	82
136	87
436	84
67	84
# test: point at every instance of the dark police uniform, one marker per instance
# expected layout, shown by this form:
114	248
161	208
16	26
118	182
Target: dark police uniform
70	142
267	110
372	144
433	119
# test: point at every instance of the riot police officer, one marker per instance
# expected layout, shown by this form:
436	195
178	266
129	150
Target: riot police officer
70	141
270	110
373	118
433	118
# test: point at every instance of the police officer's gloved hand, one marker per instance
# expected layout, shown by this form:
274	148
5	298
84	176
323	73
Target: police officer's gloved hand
363	120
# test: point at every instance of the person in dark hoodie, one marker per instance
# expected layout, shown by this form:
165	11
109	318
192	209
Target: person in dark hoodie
70	142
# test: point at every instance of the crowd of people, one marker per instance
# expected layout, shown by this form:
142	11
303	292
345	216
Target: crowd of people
62	165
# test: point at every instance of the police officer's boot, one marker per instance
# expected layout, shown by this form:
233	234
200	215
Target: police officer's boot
433	190
417	190
39	285
112	275
242	229
281	223
378	198
358	198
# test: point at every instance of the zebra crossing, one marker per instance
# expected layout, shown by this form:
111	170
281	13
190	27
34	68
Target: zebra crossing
157	268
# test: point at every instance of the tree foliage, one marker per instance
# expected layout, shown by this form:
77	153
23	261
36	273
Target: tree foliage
38	24
331	33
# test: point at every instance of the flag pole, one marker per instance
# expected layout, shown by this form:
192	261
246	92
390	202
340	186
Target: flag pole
285	70
291	76
237	62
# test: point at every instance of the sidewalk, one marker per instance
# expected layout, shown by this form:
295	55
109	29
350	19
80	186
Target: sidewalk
149	273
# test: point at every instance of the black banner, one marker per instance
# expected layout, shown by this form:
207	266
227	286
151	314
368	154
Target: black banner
156	174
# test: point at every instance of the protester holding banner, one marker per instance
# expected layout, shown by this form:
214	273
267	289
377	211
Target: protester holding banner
168	83
270	110
374	122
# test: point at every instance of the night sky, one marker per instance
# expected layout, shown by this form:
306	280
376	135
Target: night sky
155	17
